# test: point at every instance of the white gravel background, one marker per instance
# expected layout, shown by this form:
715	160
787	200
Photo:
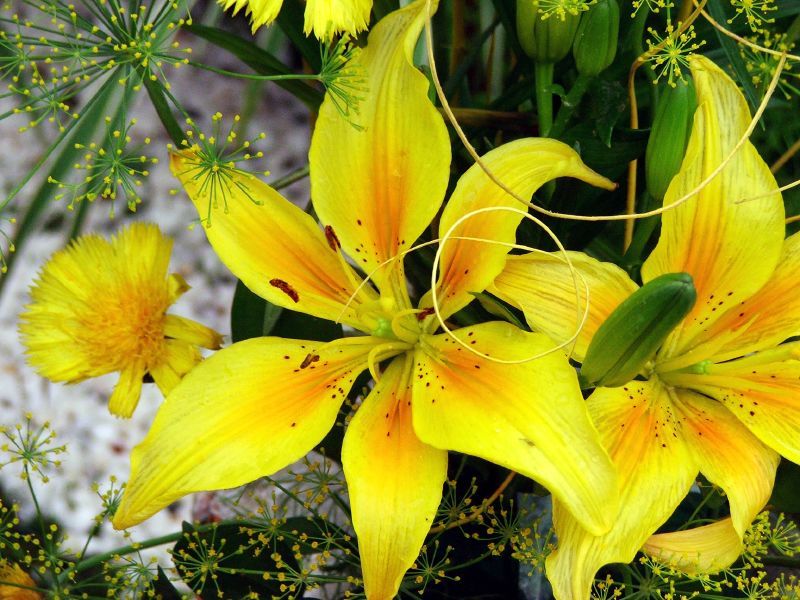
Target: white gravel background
98	444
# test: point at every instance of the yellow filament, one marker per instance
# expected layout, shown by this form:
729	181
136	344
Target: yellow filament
401	332
576	276
381	353
643	215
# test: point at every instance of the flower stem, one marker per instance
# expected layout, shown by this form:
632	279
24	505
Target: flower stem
543	72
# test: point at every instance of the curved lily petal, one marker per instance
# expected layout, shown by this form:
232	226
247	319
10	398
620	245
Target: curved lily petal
728	455
769	317
704	235
394	480
276	249
543	288
656	470
528	417
378	186
246	412
761	390
326	18
706	549
523	166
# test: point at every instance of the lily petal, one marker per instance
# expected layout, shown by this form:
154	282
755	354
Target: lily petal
704	235
728	455
379	185
758	323
706	549
523	166
394	480
246	412
276	249
656	469
762	391
529	417
543	288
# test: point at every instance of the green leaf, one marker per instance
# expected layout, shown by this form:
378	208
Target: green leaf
291	20
786	492
261	61
292	324
496	307
251	315
163	587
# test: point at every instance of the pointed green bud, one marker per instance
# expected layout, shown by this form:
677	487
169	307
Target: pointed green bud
596	39
669	136
630	336
546	37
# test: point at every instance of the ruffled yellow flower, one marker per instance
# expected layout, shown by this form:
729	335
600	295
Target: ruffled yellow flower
100	306
263	403
325	18
721	394
16	584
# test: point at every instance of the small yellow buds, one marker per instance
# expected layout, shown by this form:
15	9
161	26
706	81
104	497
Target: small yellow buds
629	338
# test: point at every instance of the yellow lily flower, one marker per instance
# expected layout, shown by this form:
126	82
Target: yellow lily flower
263	403
16	584
100	306
720	395
325	18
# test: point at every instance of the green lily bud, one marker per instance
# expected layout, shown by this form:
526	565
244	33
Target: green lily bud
669	137
545	39
636	329
596	39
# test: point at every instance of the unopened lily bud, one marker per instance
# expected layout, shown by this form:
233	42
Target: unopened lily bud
545	37
630	336
596	39
669	136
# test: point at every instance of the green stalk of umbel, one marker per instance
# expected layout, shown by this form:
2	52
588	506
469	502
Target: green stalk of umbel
546	38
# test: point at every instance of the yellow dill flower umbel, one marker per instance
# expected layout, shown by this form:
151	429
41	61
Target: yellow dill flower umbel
16	584
100	306
325	18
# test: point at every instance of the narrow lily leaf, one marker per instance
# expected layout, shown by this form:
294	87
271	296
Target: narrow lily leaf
261	61
251	315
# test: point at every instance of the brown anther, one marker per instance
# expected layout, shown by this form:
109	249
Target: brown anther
425	312
285	288
333	241
311	358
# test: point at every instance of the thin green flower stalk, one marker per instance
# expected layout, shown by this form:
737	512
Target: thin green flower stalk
431	568
112	170
755	12
761	66
31	446
653	6
216	162
6	241
106	38
345	84
670	61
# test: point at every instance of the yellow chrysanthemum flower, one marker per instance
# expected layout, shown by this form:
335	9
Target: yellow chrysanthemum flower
100	306
326	18
16	584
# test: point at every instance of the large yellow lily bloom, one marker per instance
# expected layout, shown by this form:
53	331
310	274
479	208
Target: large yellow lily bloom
263	403
720	396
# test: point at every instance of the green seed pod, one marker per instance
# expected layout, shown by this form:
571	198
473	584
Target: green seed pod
636	329
545	40
669	136
596	39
